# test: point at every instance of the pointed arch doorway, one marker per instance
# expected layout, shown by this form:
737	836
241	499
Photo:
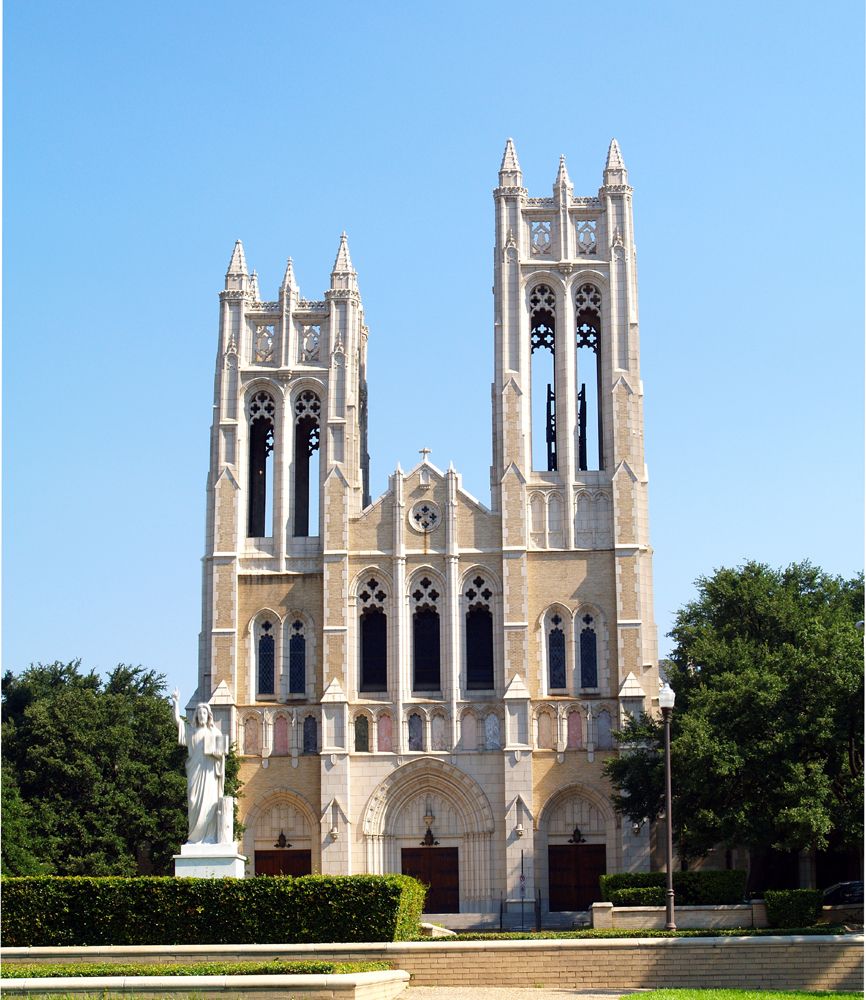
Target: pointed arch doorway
431	820
575	844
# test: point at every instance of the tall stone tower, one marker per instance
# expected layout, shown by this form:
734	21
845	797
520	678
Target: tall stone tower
420	682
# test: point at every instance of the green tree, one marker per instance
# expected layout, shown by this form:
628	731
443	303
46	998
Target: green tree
16	848
767	732
97	767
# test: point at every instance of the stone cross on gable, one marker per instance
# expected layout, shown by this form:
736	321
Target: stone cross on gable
424	452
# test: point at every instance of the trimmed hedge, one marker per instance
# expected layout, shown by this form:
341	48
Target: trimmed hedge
650	895
702	888
792	907
47	911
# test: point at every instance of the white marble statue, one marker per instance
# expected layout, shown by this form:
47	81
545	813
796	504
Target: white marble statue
205	774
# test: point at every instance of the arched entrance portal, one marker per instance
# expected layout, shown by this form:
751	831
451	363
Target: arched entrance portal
278	836
575	845
424	795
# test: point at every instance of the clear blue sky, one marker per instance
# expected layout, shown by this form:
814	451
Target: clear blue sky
141	140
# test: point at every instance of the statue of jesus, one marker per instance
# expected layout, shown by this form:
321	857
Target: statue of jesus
205	772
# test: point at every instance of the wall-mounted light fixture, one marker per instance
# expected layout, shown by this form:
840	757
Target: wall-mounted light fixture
429	840
333	833
518	830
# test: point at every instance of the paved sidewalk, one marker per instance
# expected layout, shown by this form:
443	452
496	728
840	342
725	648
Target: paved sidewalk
509	993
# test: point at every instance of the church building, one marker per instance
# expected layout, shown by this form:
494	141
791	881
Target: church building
420	682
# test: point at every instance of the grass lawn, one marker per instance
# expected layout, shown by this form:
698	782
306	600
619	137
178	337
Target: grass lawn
10	970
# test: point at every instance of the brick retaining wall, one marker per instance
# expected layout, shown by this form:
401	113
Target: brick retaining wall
783	962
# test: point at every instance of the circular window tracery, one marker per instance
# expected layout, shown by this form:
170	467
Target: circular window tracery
425	516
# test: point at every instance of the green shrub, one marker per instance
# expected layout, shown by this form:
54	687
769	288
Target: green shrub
710	887
792	907
702	888
650	895
629	880
48	911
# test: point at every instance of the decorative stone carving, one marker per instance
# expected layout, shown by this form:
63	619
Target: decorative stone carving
587	243
540	237
310	346
263	344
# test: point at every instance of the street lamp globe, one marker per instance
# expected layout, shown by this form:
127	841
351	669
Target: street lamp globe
667	696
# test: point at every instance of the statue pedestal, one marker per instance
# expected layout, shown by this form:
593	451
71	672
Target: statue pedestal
209	861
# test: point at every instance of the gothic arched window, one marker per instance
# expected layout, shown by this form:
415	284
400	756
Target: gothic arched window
588	653
545	730
575	730
556	654
307	409
362	734
479	636
604	739
383	733
297	658
260	413
425	637
416	732
469	731
281	737
373	625
265	658
311	735
438	732
587	304
252	736
542	339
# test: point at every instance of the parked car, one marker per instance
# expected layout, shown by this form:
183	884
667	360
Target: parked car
843	894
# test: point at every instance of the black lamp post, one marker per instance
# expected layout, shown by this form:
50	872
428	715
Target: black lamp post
666	704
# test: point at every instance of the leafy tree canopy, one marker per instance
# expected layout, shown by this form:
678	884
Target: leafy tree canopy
767	732
94	780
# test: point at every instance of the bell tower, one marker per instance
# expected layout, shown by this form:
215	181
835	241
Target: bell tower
289	462
568	471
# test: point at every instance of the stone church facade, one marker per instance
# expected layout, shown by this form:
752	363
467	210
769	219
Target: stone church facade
420	682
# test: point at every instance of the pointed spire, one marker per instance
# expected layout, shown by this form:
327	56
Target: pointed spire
238	263
237	276
343	276
614	157
562	178
343	261
254	286
562	186
614	168
510	174
289	284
